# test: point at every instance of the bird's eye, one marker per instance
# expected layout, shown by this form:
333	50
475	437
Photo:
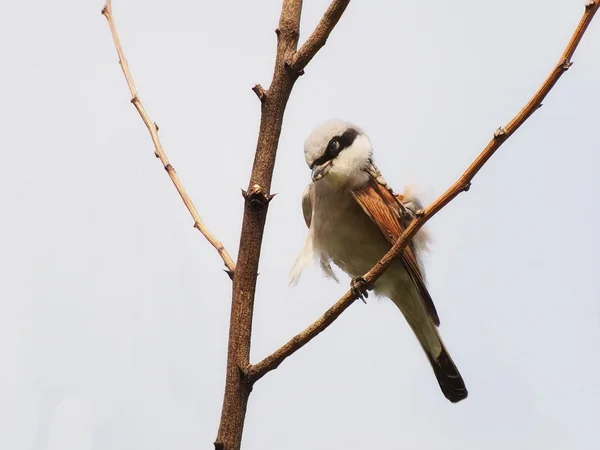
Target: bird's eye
334	147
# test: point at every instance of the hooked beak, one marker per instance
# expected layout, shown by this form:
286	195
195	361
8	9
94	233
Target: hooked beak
319	172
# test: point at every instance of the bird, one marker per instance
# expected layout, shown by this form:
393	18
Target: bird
353	219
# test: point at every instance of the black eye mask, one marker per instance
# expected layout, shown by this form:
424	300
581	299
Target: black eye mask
335	146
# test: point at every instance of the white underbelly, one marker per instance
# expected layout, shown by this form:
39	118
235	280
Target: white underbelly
345	235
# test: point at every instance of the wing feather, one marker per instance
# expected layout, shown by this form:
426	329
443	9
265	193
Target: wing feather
386	211
307	201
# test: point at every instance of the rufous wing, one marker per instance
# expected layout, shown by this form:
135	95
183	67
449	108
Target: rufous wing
384	209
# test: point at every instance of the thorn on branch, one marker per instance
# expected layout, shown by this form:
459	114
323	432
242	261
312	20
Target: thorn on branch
499	132
260	93
277	31
566	64
229	273
257	196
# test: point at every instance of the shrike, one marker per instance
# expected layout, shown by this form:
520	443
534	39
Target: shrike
353	219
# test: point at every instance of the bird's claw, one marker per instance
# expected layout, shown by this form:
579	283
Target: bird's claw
359	288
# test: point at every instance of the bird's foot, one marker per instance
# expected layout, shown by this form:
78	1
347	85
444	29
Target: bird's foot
359	288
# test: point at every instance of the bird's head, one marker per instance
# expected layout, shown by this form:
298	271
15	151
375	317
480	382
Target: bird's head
337	150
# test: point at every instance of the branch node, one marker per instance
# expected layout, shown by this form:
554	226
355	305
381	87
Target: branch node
289	65
219	445
260	93
419	213
156	126
170	168
467	186
134	99
566	64
590	4
104	11
246	375
499	132
277	31
257	196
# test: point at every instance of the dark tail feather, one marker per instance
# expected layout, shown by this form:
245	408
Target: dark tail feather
448	376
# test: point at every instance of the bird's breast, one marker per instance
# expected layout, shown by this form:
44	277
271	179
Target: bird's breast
344	234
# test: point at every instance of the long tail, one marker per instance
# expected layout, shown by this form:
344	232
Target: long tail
448	376
446	372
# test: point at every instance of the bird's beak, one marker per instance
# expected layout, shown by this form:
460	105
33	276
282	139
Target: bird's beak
319	172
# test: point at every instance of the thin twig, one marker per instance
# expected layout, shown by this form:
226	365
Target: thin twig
159	151
319	37
271	362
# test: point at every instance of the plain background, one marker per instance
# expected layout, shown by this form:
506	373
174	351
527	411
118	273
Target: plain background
114	310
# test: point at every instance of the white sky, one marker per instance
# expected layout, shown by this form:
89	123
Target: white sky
114	310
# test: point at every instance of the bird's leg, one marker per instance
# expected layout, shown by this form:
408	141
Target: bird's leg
359	288
411	208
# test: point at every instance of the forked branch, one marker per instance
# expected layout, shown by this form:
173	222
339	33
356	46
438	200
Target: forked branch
271	362
319	37
158	148
257	197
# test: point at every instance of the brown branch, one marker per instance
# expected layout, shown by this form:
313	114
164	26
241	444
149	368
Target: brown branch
271	362
159	151
257	198
260	92
319	37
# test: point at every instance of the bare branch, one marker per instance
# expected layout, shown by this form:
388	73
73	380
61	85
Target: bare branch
159	151
319	37
257	371
257	198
